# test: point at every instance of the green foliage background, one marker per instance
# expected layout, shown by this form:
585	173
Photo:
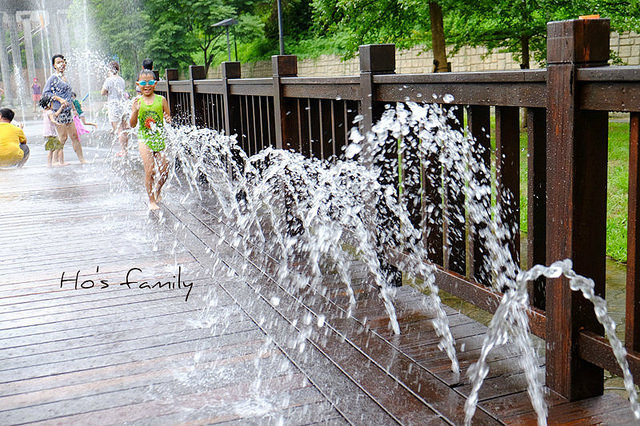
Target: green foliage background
177	33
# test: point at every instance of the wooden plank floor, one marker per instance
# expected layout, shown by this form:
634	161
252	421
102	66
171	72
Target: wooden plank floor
242	348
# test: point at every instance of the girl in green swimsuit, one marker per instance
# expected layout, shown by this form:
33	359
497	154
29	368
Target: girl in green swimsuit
149	113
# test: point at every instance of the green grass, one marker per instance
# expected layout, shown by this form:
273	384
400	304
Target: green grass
617	188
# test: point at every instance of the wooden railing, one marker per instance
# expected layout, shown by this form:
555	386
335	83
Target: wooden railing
567	108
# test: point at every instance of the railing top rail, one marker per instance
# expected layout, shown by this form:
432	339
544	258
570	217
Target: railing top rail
619	73
180	82
250	81
598	74
348	79
528	76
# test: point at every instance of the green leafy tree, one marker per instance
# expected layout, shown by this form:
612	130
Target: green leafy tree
182	28
297	19
369	22
402	22
168	44
202	15
122	25
520	26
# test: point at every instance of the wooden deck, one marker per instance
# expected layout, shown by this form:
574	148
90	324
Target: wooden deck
241	349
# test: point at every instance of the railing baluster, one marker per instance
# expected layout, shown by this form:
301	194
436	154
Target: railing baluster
171	74
537	197
508	177
256	139
212	121
243	127
220	112
333	127
431	205
312	125
632	313
261	122
301	127
248	127
272	128
455	223
346	123
215	112
480	127
196	72
411	180
324	107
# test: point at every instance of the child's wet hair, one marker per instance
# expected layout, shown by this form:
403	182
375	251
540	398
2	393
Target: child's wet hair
45	101
146	73
53	59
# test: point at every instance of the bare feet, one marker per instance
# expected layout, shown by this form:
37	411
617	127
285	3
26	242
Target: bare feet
153	206
121	154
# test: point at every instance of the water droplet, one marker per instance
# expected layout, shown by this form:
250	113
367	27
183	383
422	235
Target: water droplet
352	150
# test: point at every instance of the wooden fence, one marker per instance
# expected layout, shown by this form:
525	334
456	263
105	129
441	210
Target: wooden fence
567	108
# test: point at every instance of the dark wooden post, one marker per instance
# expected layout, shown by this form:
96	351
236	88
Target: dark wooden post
231	105
285	111
576	201
632	311
196	72
379	59
170	74
536	192
374	59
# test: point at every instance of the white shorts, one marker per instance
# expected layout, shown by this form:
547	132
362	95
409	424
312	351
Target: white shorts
117	112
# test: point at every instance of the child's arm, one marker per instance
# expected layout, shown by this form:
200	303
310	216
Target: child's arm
86	123
53	115
57	113
135	109
21	136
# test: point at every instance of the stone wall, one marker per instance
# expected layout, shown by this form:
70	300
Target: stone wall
416	60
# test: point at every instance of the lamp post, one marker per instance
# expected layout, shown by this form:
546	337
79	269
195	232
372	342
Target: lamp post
227	23
280	32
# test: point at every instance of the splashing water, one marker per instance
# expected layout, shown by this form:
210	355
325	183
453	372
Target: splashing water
316	216
22	91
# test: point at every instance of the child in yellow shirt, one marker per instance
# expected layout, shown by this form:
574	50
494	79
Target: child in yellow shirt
13	143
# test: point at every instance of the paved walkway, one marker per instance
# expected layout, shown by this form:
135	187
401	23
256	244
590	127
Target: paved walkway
80	343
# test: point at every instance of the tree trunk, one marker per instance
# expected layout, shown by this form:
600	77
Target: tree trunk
437	38
524	43
207	62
